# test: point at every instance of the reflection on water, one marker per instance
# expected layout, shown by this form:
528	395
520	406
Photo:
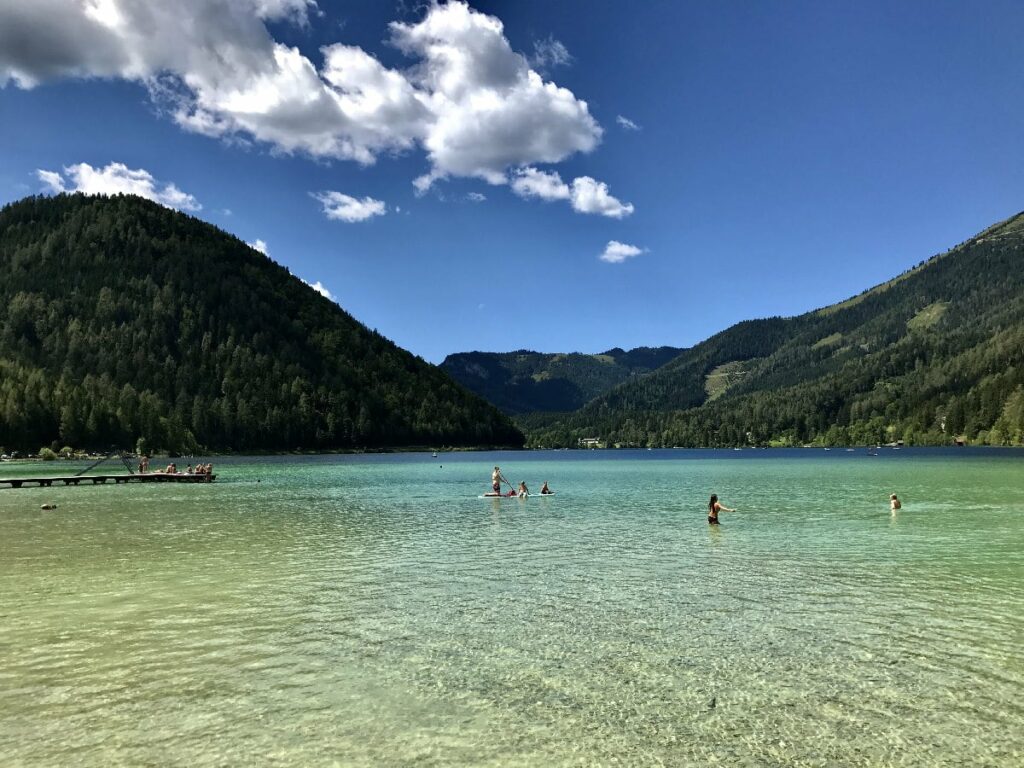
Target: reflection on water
374	610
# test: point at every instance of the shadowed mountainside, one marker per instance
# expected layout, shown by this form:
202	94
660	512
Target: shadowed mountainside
523	381
123	320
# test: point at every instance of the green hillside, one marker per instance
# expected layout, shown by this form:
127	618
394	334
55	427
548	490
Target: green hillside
933	355
121	320
524	382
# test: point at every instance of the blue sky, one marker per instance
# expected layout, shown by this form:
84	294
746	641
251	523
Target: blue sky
777	156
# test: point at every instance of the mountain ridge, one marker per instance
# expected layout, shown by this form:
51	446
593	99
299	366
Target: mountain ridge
123	320
812	377
524	381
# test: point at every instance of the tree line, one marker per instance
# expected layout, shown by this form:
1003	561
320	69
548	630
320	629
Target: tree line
121	320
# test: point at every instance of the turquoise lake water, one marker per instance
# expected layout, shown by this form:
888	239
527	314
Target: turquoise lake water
372	610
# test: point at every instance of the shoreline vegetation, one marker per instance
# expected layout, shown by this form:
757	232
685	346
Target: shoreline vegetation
37	458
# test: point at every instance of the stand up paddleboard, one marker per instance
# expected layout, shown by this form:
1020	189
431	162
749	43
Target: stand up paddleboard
515	496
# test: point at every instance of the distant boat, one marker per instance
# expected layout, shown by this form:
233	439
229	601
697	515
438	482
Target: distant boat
434	454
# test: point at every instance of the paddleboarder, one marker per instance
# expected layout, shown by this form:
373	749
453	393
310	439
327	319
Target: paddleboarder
496	479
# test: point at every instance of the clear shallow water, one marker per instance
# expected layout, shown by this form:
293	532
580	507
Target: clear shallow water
372	610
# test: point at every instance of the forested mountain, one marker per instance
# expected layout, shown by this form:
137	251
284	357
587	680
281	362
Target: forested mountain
121	319
524	381
934	355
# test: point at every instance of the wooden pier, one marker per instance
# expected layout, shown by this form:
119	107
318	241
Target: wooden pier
148	477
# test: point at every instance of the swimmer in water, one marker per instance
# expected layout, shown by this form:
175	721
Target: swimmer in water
714	508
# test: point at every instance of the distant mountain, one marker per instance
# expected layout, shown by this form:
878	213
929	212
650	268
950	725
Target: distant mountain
121	320
524	381
933	355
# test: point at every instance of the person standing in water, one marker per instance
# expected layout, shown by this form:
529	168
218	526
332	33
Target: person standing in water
714	508
894	504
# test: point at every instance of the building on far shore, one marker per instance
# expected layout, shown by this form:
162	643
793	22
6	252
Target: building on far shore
590	442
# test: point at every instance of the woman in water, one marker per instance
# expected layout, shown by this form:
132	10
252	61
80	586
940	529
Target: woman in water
714	508
894	503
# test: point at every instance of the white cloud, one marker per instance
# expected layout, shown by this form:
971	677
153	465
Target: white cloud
585	194
626	123
591	196
117	178
260	246
319	288
347	208
468	100
53	180
476	197
550	53
616	252
530	182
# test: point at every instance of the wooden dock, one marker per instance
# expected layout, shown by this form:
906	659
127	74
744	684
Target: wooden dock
148	477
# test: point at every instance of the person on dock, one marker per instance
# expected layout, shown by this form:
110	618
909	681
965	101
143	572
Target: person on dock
894	504
714	507
545	491
188	471
172	469
523	490
496	480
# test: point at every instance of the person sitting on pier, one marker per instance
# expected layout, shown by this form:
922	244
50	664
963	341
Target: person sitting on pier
172	469
189	470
